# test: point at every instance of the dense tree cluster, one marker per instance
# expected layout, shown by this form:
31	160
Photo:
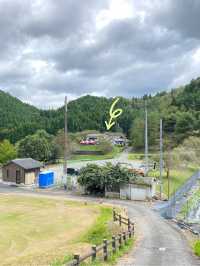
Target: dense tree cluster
39	146
179	108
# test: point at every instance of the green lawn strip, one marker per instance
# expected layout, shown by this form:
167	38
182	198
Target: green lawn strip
196	248
100	230
116	151
177	178
66	259
112	259
87	157
88	148
141	156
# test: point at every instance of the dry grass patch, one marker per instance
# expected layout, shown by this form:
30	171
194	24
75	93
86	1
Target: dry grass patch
36	230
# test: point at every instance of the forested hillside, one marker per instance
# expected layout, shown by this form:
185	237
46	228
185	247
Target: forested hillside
17	119
179	108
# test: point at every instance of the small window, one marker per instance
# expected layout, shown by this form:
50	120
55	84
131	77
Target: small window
7	173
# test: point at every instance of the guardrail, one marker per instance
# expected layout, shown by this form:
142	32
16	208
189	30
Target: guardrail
115	243
184	225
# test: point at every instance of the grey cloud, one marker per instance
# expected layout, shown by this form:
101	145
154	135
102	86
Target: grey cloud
180	16
11	20
122	43
126	57
60	19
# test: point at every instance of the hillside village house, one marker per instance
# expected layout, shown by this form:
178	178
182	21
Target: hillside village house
21	171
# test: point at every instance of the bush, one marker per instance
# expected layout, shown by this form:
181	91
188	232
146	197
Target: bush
115	175
96	178
92	178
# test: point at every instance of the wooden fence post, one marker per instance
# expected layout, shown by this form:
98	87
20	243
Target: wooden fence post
77	258
129	224
105	249
117	242
124	237
113	244
120	220
94	252
114	215
130	233
120	240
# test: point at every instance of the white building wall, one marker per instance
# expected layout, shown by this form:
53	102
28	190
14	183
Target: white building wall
138	193
134	192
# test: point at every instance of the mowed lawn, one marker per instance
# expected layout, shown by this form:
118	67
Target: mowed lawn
38	231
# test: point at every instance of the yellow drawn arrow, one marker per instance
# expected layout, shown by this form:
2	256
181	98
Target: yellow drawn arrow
113	115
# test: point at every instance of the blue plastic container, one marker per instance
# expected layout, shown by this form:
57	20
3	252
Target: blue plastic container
46	179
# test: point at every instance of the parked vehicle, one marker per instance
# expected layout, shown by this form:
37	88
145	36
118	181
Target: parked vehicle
88	142
72	171
119	142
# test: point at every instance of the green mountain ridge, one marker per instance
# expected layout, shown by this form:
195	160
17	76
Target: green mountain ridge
179	108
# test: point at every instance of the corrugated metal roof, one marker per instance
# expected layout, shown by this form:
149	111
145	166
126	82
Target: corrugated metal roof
27	163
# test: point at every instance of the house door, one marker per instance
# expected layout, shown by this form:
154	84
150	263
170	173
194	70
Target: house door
18	177
30	178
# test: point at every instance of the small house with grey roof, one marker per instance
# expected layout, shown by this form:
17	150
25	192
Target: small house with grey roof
22	171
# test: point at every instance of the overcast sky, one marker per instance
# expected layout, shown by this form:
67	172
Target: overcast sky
52	48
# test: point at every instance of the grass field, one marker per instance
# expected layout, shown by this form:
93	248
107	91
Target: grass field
177	178
88	148
44	230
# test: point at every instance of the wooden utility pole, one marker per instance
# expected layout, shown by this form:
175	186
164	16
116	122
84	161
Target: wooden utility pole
65	144
161	159
146	140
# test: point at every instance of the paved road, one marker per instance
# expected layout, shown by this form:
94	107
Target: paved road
159	243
